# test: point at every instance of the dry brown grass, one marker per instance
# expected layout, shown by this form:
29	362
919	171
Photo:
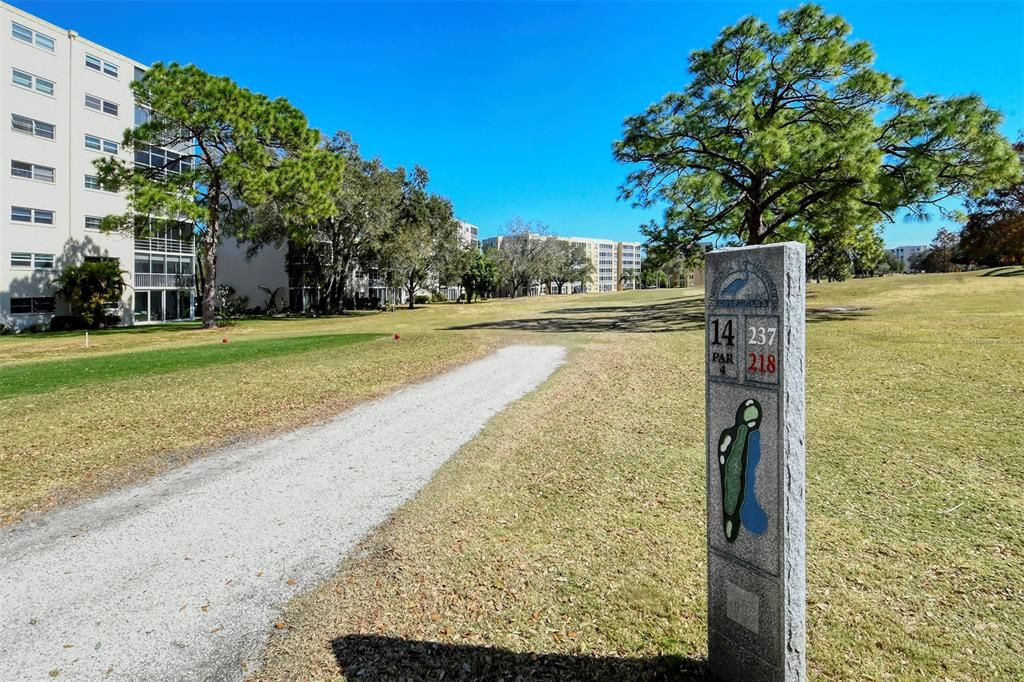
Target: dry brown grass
567	540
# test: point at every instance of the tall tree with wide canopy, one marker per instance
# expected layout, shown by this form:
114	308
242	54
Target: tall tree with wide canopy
570	264
424	232
524	252
776	126
994	233
366	201
231	152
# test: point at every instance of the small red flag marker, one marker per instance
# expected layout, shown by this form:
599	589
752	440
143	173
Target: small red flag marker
397	337
225	339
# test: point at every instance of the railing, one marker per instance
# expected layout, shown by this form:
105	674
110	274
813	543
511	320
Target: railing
164	245
147	280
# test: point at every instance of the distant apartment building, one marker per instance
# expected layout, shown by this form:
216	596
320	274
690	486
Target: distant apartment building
469	234
617	265
66	101
908	253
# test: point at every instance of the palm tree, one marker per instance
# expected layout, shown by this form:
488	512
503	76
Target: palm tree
630	275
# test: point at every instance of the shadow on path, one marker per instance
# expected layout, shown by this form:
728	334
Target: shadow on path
673	316
370	657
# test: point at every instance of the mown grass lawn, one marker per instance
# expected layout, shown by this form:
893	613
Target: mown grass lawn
567	541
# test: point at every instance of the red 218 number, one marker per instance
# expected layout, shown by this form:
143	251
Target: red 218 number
761	362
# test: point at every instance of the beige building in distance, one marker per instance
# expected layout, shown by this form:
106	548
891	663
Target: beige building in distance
611	260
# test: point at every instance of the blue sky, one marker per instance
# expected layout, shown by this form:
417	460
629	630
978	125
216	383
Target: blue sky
513	107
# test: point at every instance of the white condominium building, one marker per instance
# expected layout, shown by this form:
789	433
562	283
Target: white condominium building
65	102
616	264
908	253
469	234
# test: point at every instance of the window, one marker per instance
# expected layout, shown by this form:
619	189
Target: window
45	42
44	86
93	223
155	157
25	306
92	182
102	105
20	169
99	144
24	124
21	260
43	260
23	214
27	35
100	65
23	79
22	33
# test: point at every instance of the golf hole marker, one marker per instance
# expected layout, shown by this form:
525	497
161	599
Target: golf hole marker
755	462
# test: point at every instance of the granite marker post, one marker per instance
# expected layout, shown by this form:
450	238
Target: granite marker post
755	462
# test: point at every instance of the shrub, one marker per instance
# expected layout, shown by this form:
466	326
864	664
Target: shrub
90	286
421	299
438	297
229	305
67	323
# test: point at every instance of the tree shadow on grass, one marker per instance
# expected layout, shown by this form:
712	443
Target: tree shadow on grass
1010	271
836	314
371	657
673	316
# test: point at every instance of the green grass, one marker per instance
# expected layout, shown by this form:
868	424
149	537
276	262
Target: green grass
46	376
570	534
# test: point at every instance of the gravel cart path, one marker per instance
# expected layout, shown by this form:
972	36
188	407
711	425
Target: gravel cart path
181	578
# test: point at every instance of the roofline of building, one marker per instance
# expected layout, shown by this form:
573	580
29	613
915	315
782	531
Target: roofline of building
71	33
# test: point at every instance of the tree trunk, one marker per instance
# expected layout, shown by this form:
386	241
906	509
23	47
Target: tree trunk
755	225
346	279
411	288
209	279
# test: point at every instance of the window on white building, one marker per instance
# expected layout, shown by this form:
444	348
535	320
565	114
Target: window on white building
23	214
27	35
101	65
39	304
102	105
20	169
24	79
93	223
24	124
20	259
99	144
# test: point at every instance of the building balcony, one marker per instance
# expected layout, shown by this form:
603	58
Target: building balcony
164	245
161	280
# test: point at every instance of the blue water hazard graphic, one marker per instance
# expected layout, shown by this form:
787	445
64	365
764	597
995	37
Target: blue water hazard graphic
751	515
